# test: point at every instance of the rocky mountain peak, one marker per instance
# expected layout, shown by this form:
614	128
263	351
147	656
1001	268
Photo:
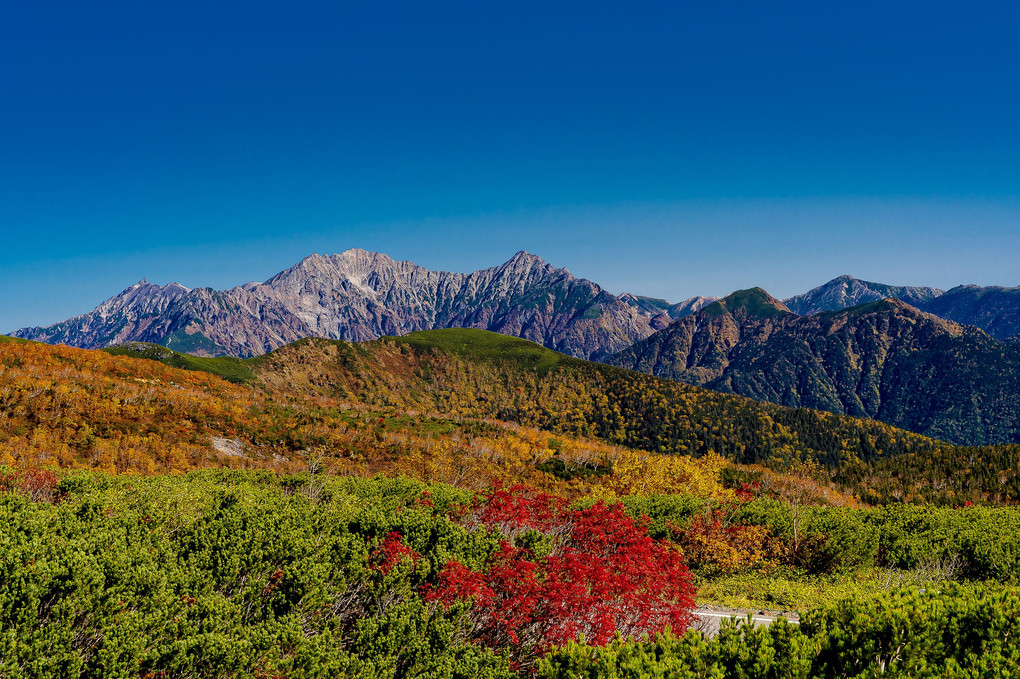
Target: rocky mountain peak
361	259
846	291
524	261
525	256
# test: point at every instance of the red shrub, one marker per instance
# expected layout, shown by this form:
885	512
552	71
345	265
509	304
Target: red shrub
39	485
604	575
391	552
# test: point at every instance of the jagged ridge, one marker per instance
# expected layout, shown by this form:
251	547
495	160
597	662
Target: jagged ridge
359	295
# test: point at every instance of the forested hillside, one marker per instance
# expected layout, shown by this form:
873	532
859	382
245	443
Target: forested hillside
459	406
883	360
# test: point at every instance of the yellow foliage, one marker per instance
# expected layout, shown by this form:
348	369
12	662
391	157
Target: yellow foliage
640	473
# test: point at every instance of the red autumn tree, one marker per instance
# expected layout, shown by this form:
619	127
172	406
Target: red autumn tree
602	575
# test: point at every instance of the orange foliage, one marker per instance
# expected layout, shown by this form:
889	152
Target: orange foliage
73	408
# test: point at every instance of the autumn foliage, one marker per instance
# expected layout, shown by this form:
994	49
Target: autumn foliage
39	485
716	541
79	409
561	573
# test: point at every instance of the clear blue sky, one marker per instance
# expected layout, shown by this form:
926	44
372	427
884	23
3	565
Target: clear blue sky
668	149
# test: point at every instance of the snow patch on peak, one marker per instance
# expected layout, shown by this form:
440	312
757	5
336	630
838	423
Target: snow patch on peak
357	280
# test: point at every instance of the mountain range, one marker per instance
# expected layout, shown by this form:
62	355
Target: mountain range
846	291
994	309
940	363
359	295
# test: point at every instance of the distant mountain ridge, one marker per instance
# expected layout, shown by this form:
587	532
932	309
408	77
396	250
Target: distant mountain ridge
661	311
883	360
845	291
359	295
994	309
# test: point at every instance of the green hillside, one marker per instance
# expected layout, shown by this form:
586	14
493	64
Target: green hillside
8	338
754	302
482	345
229	368
474	373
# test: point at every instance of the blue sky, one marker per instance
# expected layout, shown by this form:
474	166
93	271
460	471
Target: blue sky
668	149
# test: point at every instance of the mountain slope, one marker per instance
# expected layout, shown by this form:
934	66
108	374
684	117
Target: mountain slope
469	373
697	349
359	295
884	360
430	403
996	310
846	291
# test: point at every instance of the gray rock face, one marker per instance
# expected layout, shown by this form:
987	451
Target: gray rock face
662	312
846	292
359	295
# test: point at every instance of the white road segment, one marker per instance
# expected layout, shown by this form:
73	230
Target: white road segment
709	614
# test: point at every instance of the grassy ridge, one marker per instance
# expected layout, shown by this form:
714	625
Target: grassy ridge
489	346
229	368
8	338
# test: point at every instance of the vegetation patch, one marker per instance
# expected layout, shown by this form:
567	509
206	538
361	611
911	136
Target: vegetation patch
229	368
489	346
192	343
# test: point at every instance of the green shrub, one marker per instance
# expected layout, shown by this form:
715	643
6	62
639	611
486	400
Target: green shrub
229	574
954	634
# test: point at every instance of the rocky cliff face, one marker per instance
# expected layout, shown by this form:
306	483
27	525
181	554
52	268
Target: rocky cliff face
846	291
359	295
884	360
661	311
996	310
